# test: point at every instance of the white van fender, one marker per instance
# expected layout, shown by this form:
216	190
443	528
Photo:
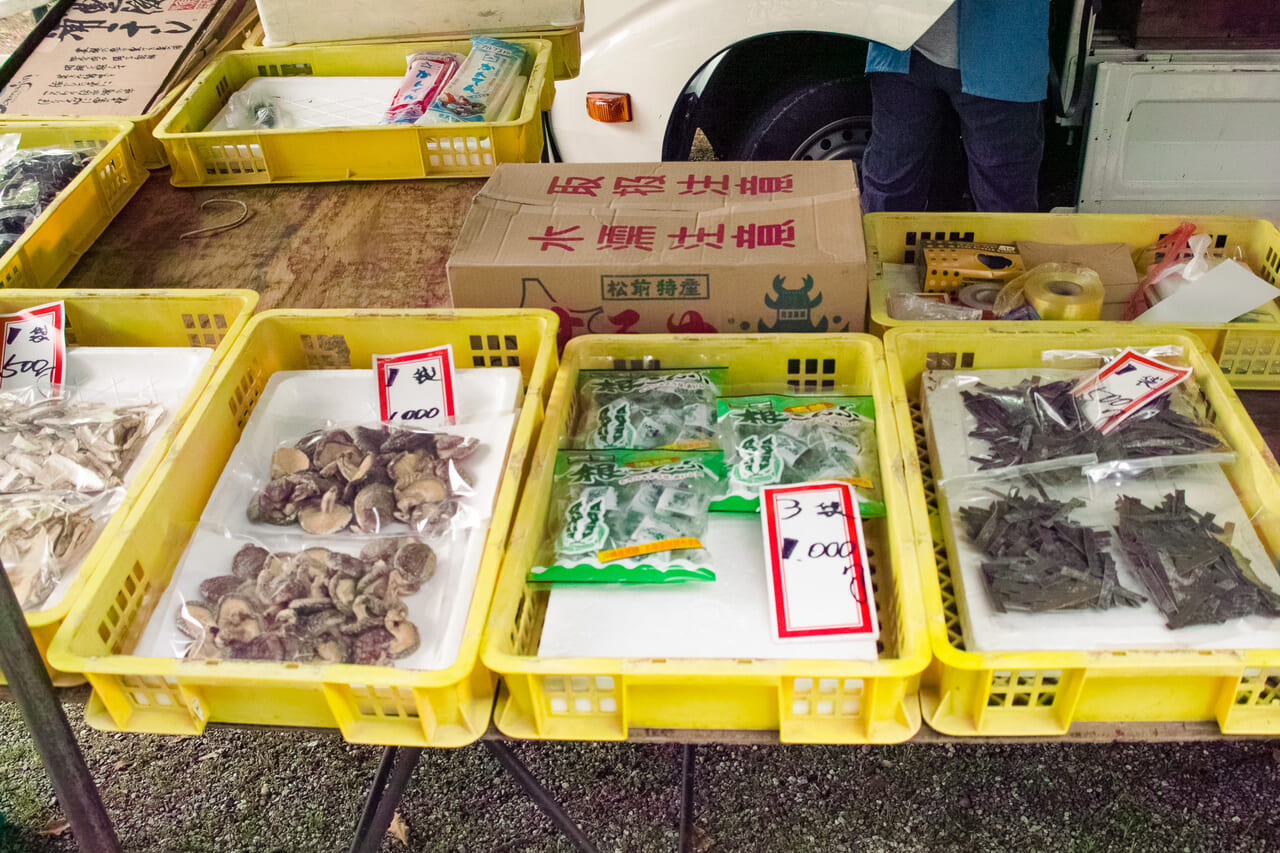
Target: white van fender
655	49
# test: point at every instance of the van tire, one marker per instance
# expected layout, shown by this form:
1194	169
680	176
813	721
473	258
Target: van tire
811	120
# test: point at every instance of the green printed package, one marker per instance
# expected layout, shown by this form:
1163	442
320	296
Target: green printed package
648	409
631	516
780	440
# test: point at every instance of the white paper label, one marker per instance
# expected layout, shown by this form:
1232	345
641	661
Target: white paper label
416	388
33	349
1123	386
819	579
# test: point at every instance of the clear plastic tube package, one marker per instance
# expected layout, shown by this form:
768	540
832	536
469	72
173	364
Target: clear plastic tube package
478	90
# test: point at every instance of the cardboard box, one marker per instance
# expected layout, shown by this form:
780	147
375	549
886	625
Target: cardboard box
948	265
668	247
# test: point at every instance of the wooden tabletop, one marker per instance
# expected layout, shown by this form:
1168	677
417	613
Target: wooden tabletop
340	245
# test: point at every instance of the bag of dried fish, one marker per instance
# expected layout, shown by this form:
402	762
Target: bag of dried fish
771	440
358	604
647	409
44	536
366	478
631	517
1020	417
64	444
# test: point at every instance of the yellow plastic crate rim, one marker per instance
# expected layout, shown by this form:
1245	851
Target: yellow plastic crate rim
375	152
566	45
137	318
371	704
784	694
1248	353
1050	689
64	230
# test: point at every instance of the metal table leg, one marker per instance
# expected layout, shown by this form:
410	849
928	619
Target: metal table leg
686	800
22	665
394	772
541	796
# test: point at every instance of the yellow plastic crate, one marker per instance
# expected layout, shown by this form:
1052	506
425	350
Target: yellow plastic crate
146	148
1042	693
566	45
804	700
378	152
370	704
65	230
134	318
1248	353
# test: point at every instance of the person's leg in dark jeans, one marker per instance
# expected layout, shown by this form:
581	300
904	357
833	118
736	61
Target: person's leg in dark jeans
1004	141
906	115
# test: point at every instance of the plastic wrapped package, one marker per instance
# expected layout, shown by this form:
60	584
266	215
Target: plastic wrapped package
69	444
647	409
366	478
255	111
365	600
987	419
44	536
30	179
427	74
478	90
772	440
631	517
914	306
1043	558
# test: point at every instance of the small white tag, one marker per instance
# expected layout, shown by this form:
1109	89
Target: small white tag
819	578
416	388
1123	386
33	349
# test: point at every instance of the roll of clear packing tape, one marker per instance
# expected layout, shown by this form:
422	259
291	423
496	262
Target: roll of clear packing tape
981	295
1065	295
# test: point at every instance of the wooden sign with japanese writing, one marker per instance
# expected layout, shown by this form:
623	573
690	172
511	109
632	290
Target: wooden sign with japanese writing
106	58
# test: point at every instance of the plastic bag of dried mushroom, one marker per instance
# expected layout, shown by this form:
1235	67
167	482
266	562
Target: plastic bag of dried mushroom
367	600
45	535
366	479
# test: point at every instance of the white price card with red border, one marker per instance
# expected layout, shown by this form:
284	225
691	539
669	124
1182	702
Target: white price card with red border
819	577
416	388
33	349
1123	386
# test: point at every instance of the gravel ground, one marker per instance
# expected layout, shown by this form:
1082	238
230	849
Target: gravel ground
241	790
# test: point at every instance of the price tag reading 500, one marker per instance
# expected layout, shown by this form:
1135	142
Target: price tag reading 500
819	579
33	349
416	388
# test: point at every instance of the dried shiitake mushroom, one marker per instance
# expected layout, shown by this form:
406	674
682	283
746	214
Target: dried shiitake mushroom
313	606
331	480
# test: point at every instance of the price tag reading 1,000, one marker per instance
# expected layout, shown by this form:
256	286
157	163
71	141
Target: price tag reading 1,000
416	388
819	578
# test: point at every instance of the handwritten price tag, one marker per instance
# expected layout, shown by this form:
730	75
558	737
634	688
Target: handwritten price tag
819	578
1123	386
416	388
33	349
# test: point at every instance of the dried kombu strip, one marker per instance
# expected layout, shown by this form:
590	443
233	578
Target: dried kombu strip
1187	563
1038	560
1034	421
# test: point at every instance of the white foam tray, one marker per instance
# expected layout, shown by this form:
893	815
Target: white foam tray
726	618
124	376
311	102
1120	628
296	402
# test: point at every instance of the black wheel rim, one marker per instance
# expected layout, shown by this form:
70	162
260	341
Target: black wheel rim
843	139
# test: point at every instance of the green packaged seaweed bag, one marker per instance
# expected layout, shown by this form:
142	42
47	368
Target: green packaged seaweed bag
625	516
780	440
648	409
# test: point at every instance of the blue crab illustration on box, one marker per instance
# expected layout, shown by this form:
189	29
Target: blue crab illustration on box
794	308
